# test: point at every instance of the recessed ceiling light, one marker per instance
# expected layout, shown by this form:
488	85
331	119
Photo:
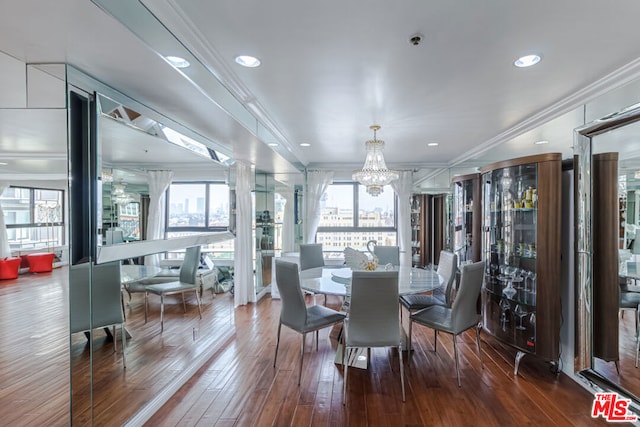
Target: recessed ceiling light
3	163
305	144
527	61
541	142
433	144
248	61
178	62
272	144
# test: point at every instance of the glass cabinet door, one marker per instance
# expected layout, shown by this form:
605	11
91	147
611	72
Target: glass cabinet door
416	240
510	226
463	206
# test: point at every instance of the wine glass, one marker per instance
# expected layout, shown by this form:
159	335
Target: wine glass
517	278
527	277
520	312
509	291
504	308
533	284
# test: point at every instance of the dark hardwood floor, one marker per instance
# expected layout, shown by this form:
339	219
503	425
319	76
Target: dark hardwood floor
37	353
239	386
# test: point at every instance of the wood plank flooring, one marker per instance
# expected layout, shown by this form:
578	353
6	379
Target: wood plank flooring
242	388
37	354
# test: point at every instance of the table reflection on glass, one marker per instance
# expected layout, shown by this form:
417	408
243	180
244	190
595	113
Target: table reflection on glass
336	281
130	273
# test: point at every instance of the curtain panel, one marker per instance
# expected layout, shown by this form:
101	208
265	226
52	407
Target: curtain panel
159	181
402	187
244	286
317	183
5	249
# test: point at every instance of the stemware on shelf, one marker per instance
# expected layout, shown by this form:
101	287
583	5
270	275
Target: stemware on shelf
520	312
505	307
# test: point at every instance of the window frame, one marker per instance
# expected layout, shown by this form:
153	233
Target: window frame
356	228
32	209
32	224
206	227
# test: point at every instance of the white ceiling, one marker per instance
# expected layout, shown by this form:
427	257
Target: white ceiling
331	69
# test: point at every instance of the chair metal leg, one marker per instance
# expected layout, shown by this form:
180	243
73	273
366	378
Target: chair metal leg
161	312
455	352
304	336
124	314
184	304
146	298
198	300
277	344
124	345
345	367
435	341
637	316
478	330
115	339
401	372
409	345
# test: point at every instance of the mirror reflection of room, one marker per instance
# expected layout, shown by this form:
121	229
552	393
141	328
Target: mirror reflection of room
620	365
123	197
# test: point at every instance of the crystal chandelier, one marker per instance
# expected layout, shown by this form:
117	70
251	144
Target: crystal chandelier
374	173
119	196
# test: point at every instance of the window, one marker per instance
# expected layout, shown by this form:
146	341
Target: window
197	207
340	226
34	217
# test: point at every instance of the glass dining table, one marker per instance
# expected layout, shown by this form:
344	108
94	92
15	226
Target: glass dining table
336	281
129	275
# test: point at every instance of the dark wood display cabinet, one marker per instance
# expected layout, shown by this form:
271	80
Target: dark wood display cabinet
521	245
467	217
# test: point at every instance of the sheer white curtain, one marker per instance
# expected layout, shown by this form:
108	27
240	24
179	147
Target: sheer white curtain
5	249
159	181
317	183
402	187
288	224
244	287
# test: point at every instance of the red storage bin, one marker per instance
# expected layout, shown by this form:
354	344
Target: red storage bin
9	268
40	263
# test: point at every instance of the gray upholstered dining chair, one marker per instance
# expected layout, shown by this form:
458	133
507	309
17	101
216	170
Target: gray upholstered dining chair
630	300
186	283
295	314
373	317
461	316
387	254
104	308
311	256
443	295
